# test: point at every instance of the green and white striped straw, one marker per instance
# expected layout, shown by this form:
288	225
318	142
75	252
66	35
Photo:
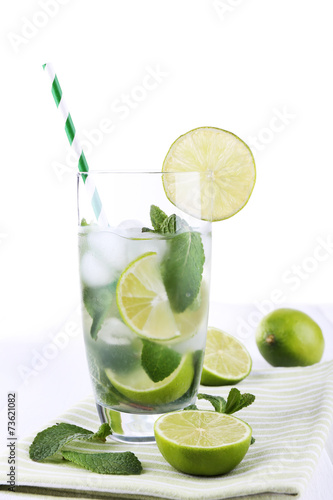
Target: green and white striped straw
76	146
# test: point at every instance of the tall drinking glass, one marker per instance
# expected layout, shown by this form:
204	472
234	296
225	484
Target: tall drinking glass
145	281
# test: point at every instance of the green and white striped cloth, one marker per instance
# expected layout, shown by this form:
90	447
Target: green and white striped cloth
291	418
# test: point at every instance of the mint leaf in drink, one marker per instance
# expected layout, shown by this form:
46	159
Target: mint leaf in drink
50	440
157	217
159	361
218	402
169	225
98	301
106	463
183	265
163	224
97	323
182	269
252	440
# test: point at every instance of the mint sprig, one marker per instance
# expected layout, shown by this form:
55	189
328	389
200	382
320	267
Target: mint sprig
163	224
158	361
182	267
54	439
235	402
218	402
103	432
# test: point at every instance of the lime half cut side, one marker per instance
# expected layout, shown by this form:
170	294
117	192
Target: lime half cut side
227	173
204	443
226	360
143	302
138	387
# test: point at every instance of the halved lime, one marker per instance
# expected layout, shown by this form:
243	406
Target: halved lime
203	443
227	173
143	302
226	360
139	388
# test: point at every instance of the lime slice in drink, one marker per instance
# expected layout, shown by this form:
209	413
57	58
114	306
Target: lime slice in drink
227	173
203	443
191	320
226	360
139	388
143	302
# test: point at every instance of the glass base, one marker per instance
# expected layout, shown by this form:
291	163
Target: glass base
129	427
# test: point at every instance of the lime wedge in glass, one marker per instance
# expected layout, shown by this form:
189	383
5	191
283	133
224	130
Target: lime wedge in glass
138	387
143	302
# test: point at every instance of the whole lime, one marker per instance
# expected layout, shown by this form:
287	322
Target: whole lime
288	337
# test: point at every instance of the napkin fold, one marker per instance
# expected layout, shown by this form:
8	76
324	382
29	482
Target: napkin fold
290	418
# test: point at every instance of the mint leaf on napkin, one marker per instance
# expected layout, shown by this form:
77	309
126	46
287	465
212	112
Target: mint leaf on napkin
55	438
158	361
106	463
52	439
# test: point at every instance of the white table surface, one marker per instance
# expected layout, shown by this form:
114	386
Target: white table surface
55	384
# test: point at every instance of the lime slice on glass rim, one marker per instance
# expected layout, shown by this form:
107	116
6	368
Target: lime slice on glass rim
227	173
204	443
226	360
138	387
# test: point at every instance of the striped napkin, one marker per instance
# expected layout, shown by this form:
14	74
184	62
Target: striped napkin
290	418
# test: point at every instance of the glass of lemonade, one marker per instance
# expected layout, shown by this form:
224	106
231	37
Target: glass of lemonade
145	280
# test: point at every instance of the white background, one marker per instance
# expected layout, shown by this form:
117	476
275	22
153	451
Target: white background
233	64
261	69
